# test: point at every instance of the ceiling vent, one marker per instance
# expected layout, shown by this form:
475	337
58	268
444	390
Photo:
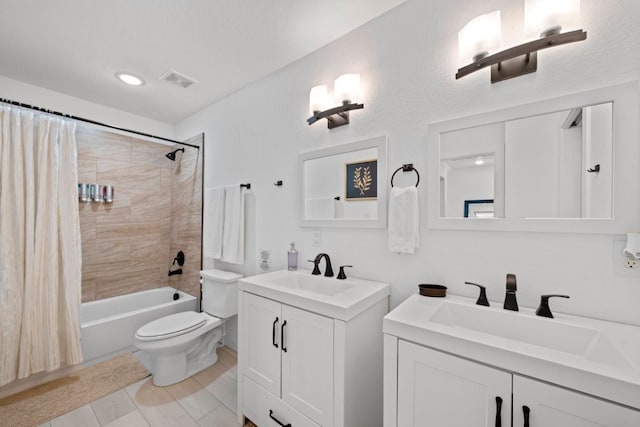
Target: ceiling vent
178	79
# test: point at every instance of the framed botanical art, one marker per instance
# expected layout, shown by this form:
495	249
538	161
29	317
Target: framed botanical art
361	180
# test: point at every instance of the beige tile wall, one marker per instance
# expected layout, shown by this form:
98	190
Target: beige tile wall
127	246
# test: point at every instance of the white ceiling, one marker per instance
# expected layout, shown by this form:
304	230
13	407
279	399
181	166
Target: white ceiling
76	46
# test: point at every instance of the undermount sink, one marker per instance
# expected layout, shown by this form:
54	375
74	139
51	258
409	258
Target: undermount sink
340	299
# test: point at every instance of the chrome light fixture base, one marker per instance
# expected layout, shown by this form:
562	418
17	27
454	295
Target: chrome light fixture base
337	116
520	60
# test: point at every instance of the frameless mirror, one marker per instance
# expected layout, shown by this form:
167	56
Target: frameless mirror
565	164
345	185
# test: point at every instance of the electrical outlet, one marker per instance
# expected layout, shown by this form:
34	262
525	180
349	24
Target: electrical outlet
622	264
317	239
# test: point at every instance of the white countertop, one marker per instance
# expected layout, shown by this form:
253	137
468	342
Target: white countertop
599	358
328	296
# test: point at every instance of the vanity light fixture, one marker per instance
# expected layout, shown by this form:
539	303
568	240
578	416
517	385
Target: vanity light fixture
346	91
543	18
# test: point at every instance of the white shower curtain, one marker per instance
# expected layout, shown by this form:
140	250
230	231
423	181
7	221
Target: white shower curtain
40	253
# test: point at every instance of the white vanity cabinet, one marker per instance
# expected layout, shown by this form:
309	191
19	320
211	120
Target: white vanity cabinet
310	359
289	352
553	406
435	389
438	389
449	362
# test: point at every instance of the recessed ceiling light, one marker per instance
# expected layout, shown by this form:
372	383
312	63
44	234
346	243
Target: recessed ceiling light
130	79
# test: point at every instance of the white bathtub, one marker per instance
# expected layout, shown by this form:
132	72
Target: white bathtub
107	326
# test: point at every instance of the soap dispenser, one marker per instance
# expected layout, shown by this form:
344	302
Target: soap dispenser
292	258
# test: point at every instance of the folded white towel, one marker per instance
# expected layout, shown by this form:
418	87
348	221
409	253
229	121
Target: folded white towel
213	222
233	230
404	220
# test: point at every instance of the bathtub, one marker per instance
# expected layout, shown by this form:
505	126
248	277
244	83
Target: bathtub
107	326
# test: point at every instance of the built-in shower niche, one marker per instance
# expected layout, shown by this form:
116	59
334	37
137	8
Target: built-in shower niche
129	245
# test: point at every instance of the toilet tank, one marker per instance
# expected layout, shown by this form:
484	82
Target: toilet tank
220	292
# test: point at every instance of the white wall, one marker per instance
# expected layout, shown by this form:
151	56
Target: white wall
56	101
532	154
407	59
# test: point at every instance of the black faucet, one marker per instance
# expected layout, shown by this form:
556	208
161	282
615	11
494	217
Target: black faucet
482	296
328	272
510	302
544	310
341	275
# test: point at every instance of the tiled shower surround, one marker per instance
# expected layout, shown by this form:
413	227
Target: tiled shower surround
129	245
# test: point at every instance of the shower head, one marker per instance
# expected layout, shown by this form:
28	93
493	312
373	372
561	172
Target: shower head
172	155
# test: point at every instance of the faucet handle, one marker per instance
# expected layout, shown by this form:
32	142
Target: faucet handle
341	275
316	270
544	310
482	298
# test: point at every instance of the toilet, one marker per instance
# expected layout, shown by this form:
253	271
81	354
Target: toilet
180	345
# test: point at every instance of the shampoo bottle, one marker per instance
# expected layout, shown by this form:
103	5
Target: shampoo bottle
292	258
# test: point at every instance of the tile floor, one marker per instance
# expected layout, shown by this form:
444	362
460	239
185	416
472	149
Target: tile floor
206	399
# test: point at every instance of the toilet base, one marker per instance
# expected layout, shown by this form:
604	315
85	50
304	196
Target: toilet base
171	368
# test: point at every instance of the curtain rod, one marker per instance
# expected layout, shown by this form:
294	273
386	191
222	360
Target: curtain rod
93	122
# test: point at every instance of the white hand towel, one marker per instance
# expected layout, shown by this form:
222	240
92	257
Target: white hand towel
233	230
213	222
404	221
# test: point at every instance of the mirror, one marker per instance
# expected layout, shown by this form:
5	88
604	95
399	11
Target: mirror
565	164
553	165
345	185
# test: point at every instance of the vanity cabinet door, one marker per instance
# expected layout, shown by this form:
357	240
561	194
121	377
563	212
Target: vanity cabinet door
550	406
439	390
307	364
262	320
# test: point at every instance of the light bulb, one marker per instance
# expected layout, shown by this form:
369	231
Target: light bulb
547	17
347	88
318	99
480	36
130	79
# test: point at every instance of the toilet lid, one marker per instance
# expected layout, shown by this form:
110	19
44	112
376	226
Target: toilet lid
172	325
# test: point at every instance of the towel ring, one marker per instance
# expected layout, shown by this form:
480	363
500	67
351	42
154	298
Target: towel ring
406	168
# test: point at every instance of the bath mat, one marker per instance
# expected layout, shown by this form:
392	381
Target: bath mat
39	404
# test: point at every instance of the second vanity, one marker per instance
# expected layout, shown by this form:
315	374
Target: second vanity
449	362
310	350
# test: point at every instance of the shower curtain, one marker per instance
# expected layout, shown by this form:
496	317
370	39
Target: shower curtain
40	253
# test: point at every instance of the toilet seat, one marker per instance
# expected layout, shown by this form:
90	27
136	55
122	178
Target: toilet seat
172	326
